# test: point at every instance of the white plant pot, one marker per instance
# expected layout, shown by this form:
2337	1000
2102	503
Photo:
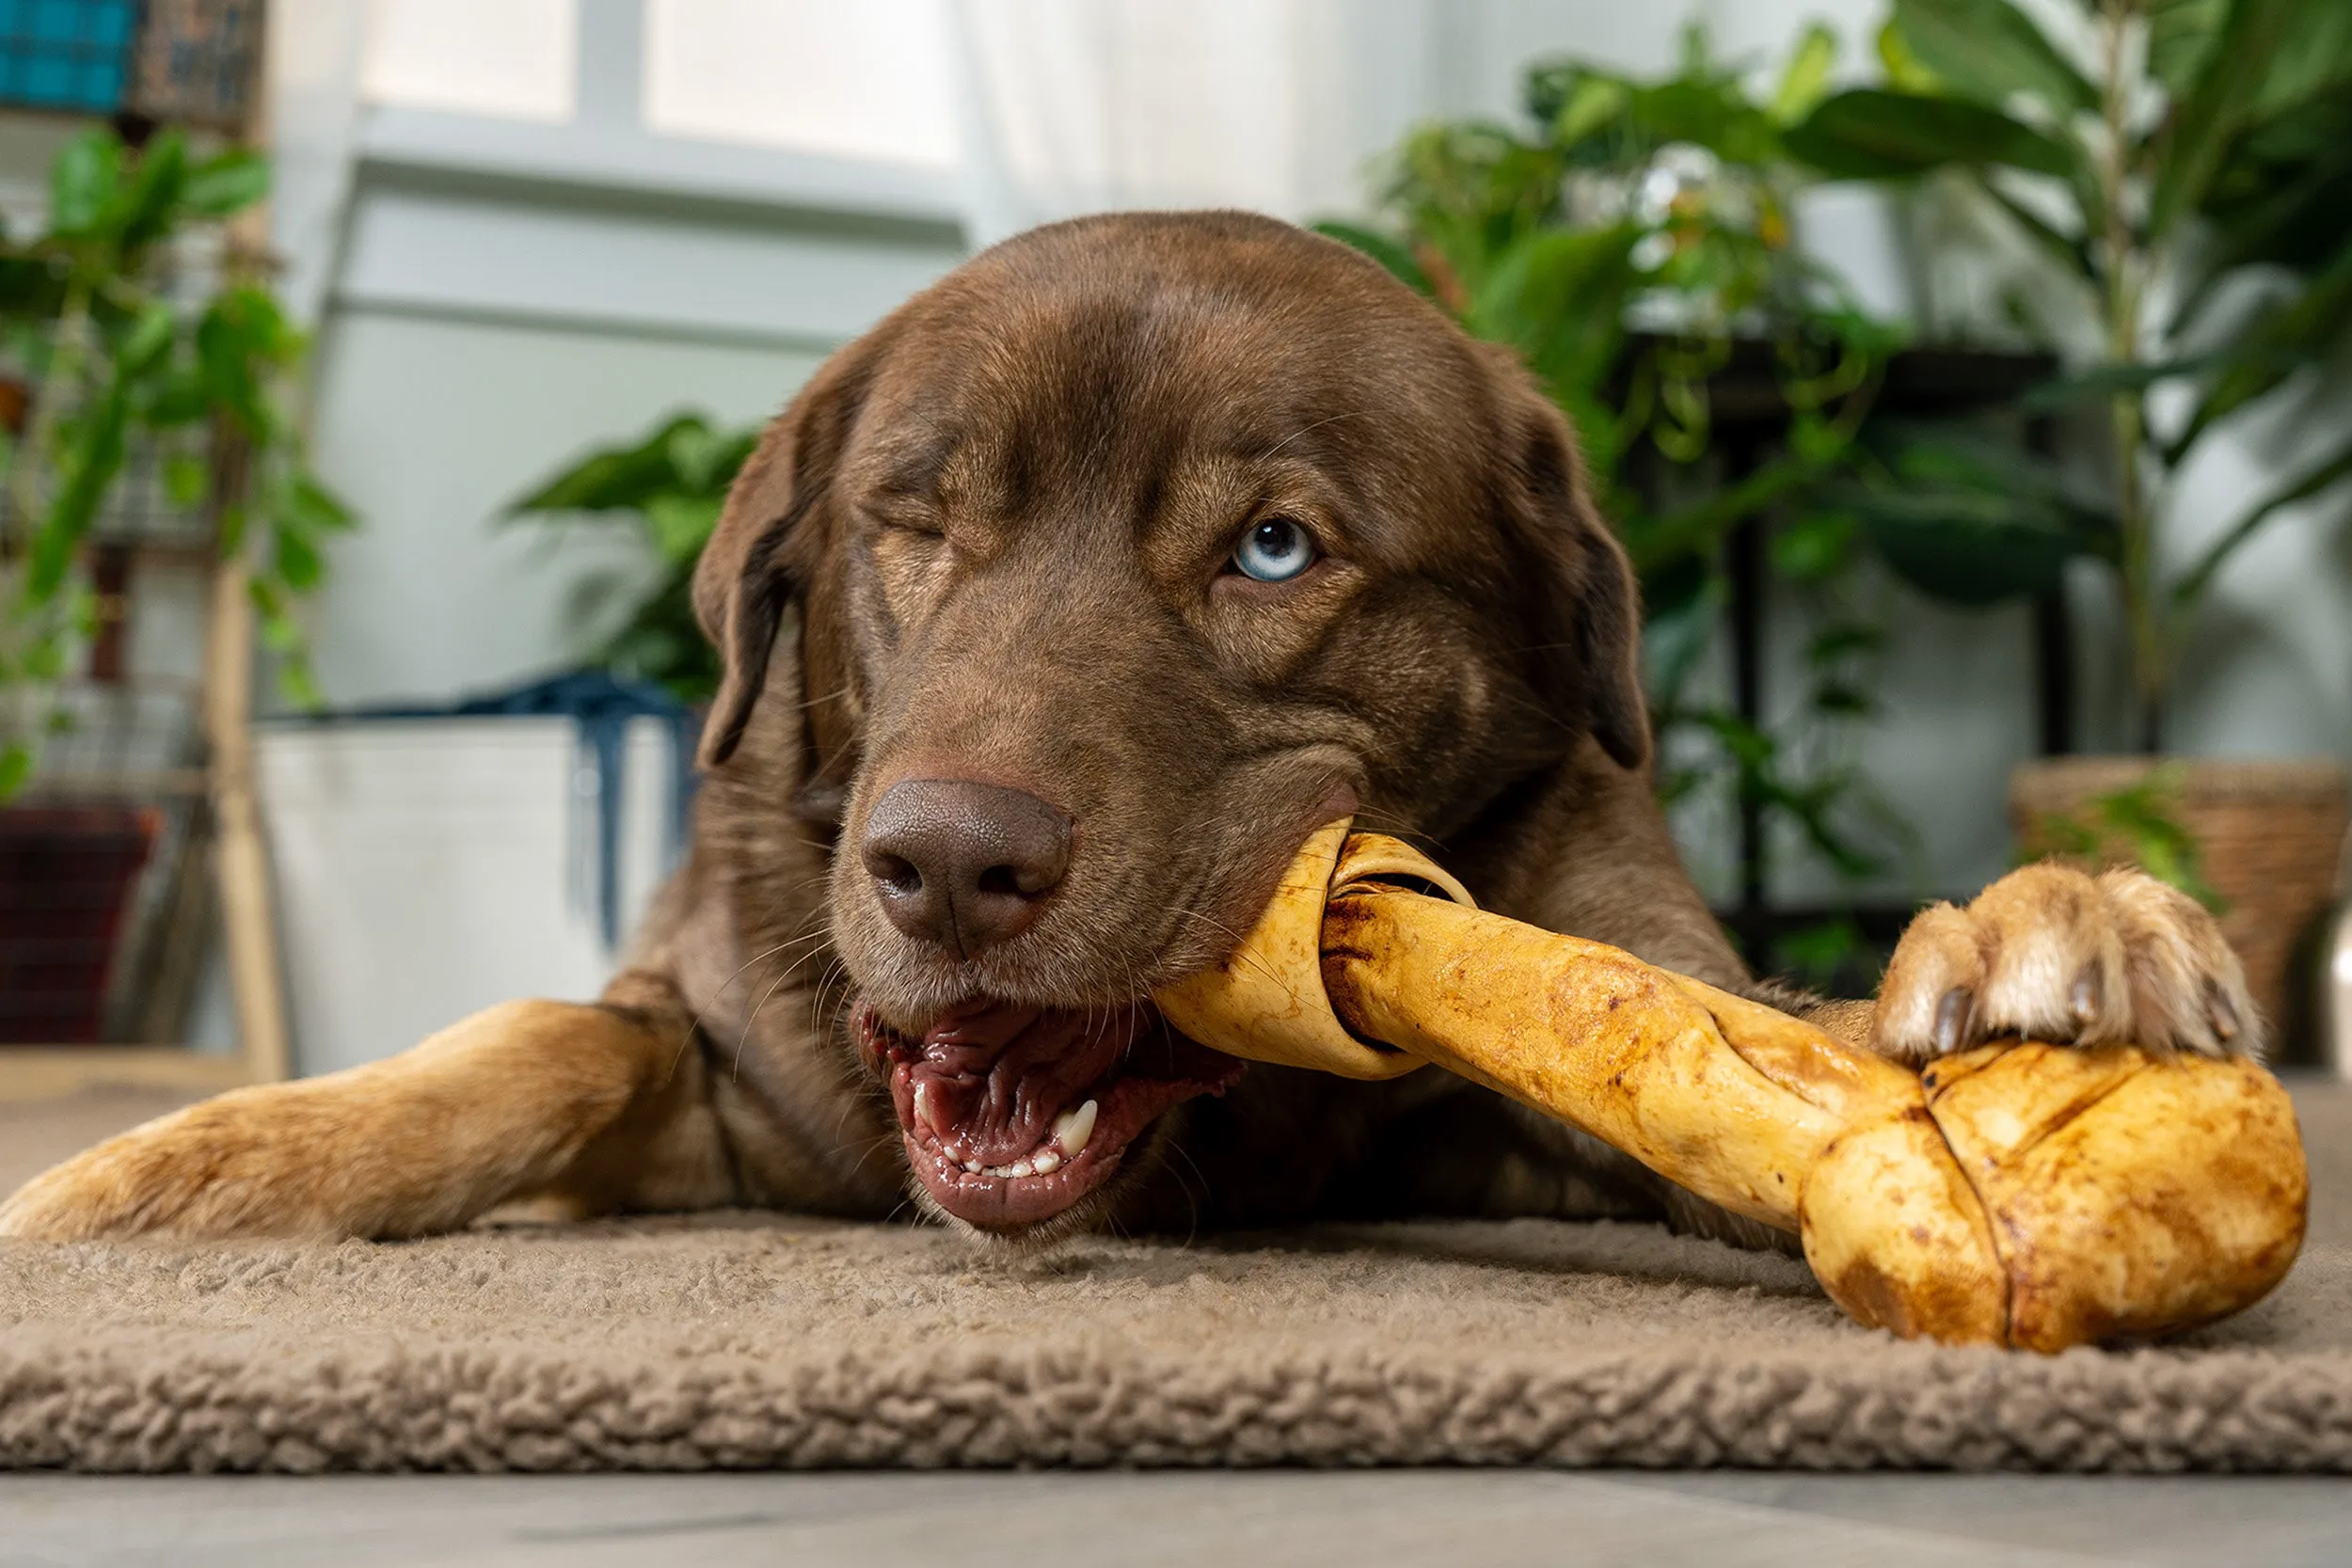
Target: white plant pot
428	868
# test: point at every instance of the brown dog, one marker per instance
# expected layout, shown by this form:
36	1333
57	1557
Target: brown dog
1055	611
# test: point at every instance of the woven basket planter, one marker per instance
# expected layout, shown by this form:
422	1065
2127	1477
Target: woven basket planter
2270	834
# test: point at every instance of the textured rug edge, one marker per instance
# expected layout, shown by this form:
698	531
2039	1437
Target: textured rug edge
101	1408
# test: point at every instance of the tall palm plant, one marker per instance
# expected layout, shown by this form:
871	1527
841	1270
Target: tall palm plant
2189	163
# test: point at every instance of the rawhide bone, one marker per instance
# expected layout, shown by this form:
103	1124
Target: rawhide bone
2021	1193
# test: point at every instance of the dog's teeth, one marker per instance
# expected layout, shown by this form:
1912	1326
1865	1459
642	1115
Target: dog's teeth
1046	1161
1071	1130
927	1113
1023	1168
973	1166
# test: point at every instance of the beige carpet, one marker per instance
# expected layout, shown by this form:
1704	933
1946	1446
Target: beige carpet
752	1341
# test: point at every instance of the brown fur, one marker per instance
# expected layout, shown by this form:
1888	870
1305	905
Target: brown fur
985	543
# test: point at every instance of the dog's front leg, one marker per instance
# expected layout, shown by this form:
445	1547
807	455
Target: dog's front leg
500	1105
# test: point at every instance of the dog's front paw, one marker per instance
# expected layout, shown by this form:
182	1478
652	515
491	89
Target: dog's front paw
2057	953
250	1163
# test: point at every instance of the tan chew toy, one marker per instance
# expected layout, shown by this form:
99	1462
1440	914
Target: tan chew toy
2020	1195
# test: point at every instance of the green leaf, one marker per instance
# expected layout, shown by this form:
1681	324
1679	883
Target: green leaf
2283	196
681	525
1595	101
156	182
614	478
1805	81
1814	547
310	506
2181	35
227	183
1387	252
297	562
2315	59
16	766
187	481
92	459
1905	71
2326	475
2217	106
1869	133
1969	520
294	679
2273	348
150	336
1988	50
83	181
706	461
280	633
1559	297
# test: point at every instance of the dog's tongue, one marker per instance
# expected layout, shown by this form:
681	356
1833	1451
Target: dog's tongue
988	1079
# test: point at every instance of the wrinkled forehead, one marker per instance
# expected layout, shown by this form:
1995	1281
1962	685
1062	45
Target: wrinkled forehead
1011	389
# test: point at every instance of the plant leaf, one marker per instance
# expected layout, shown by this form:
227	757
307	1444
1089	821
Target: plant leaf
1869	133
2322	475
1988	50
297	561
681	525
187	481
2267	353
89	465
2216	106
83	180
1805	81
2181	35
227	183
156	181
1559	297
614	478
1969	520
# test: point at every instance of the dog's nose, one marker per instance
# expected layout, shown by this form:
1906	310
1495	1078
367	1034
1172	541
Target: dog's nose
963	865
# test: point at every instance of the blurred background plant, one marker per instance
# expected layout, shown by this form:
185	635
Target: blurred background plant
2183	170
2138	824
112	346
1634	241
672	482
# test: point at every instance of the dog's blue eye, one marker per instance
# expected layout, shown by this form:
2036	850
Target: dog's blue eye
1276	550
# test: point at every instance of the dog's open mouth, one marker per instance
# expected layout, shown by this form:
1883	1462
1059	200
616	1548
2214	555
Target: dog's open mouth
1011	1114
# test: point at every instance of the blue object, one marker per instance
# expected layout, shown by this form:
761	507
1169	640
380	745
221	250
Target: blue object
71	55
602	704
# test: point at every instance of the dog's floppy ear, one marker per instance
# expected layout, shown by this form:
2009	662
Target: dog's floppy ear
772	538
1592	609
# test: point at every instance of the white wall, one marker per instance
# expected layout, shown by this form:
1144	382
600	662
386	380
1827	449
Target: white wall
430	424
480	334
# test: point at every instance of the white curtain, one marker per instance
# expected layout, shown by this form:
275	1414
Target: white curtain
1085	105
313	118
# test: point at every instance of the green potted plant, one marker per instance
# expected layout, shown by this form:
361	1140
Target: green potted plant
1634	240
2177	161
673	482
114	352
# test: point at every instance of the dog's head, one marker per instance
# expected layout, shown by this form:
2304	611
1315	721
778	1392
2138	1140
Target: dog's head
1124	557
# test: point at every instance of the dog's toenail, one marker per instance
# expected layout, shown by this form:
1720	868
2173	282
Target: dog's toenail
2224	1011
1951	1019
2085	1002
